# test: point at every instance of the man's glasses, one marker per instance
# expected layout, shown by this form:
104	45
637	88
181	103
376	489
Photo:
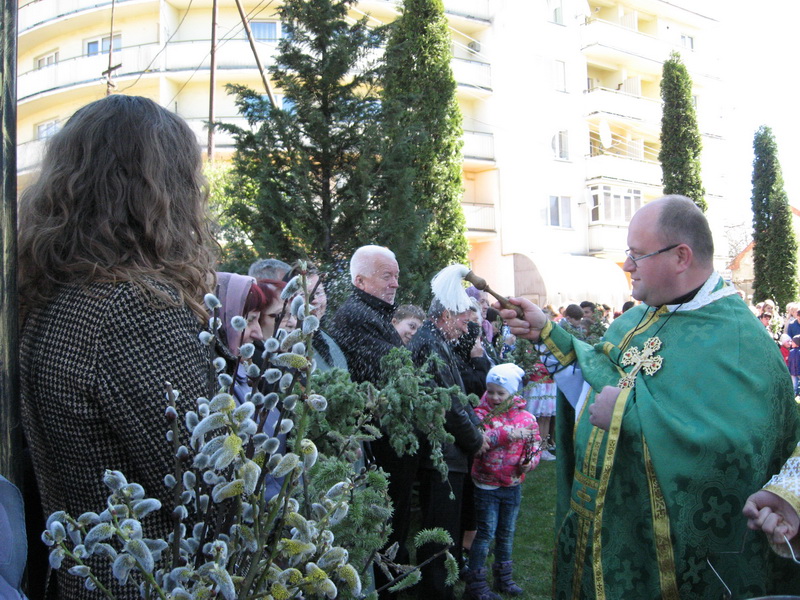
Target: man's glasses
635	259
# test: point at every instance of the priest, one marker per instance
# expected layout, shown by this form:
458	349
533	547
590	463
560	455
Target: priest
687	408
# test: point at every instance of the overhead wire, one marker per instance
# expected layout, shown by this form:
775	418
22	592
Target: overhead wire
232	33
163	47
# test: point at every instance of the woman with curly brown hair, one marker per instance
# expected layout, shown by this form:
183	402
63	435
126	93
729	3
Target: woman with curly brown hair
115	258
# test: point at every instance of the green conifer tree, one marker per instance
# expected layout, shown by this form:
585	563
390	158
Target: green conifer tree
421	172
681	144
775	250
304	172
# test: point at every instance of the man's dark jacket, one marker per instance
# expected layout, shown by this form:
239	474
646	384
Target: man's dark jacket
468	440
363	329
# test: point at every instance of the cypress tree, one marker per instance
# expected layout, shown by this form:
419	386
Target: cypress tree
421	173
304	173
775	250
681	144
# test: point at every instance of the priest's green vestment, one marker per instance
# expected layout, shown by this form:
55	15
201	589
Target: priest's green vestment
708	415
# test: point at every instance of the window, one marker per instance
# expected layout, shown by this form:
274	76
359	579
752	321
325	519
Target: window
46	129
560	75
556	11
103	44
265	31
560	145
558	212
687	41
47	60
613	205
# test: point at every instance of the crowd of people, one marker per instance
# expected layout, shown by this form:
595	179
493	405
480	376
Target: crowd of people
663	434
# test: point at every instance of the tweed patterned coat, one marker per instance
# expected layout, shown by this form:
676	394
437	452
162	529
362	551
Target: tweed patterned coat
94	363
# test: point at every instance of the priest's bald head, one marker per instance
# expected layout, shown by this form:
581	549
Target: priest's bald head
670	250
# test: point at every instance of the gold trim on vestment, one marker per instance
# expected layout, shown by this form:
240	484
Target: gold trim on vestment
593	457
608	462
544	336
661	532
643	326
580	557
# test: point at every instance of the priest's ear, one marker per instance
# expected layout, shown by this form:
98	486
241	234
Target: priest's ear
685	257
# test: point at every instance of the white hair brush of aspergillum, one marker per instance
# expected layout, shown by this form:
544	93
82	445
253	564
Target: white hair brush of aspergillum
448	287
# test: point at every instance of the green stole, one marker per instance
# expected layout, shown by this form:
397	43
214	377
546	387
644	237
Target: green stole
642	506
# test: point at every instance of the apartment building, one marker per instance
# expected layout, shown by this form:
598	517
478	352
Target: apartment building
560	100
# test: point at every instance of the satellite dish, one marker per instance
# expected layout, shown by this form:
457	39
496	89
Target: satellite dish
605	134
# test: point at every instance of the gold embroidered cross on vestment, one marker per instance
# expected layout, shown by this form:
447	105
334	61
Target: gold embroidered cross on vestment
641	360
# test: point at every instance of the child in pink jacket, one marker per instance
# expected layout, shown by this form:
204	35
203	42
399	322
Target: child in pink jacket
513	438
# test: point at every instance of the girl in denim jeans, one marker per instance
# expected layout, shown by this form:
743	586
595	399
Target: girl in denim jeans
513	435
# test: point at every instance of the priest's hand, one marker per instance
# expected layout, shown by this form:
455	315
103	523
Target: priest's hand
602	409
530	325
771	514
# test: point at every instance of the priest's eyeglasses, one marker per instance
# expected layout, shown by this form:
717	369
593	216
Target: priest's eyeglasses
635	259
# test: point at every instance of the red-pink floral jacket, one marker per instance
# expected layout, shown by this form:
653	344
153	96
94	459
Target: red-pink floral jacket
502	464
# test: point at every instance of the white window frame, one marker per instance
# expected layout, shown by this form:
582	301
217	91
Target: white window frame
613	205
560	145
555	9
102	44
559	75
46	60
687	41
47	129
266	40
559	212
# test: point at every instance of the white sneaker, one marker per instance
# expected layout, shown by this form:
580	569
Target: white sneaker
546	456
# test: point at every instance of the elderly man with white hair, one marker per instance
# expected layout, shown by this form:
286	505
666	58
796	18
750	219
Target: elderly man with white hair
363	329
363	325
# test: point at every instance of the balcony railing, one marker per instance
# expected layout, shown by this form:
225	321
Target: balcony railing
479	217
476	9
613	102
610	39
36	12
478	145
182	56
472	72
176	57
29	156
644	52
621	168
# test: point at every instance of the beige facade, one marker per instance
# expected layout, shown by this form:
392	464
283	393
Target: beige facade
560	100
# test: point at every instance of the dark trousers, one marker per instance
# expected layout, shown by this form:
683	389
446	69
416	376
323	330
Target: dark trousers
402	473
438	510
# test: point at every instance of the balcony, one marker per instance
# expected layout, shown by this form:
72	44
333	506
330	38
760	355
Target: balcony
472	73
471	9
612	102
610	43
480	217
624	169
478	146
474	9
179	57
609	240
182	57
37	19
29	157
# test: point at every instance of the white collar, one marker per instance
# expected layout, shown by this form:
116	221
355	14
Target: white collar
705	296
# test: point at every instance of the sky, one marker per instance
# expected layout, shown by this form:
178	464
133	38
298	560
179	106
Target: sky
764	82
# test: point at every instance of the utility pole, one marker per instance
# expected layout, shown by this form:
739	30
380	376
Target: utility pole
212	82
10	427
109	73
246	24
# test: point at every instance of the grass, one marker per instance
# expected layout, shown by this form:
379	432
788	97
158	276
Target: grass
534	538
